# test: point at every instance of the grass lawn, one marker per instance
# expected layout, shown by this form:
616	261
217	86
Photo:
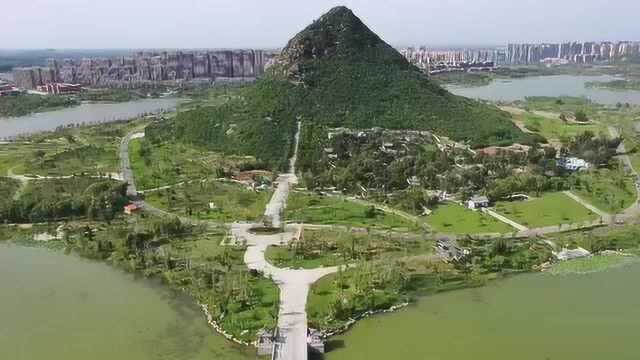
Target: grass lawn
550	209
89	149
232	201
453	218
330	210
210	97
156	165
283	257
556	128
607	190
590	264
338	247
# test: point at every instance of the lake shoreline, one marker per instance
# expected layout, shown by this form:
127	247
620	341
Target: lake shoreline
85	113
518	89
157	284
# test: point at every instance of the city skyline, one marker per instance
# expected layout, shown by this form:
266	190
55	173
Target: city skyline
253	24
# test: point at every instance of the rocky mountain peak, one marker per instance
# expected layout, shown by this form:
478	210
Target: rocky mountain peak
338	33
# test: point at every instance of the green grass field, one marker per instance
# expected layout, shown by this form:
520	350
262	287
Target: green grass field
283	257
453	218
550	209
556	128
329	210
590	264
171	163
232	201
607	190
89	149
337	247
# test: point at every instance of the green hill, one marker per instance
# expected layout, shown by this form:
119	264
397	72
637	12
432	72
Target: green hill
338	73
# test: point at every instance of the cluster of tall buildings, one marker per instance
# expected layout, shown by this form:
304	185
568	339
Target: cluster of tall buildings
572	52
589	52
423	56
436	60
148	68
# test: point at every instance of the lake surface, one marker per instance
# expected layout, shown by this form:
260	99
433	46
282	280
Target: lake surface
559	85
84	113
528	317
61	307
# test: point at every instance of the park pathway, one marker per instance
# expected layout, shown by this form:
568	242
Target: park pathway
593	209
283	183
505	219
633	210
294	284
125	164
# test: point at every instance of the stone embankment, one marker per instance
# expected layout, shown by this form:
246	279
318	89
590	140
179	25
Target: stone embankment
366	314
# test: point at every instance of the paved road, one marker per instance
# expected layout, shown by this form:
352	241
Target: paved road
125	165
294	288
283	183
294	284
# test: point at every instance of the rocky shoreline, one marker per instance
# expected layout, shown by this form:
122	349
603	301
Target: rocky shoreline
344	328
219	329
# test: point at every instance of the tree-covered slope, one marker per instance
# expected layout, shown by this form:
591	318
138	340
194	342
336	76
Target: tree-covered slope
335	73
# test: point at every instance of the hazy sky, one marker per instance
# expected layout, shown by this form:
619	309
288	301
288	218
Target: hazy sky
270	23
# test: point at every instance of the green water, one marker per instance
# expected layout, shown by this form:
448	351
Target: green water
60	307
530	317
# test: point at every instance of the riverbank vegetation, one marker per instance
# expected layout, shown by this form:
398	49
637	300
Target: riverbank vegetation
615	84
76	197
523	71
210	199
185	257
90	149
590	264
464	78
14	106
625	238
378	285
111	95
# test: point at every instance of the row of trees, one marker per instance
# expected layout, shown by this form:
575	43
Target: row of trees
51	200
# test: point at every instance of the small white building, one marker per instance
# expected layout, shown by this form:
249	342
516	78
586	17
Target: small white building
573	164
477	202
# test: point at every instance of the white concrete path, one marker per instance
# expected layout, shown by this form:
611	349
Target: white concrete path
125	164
294	288
294	284
505	220
593	209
